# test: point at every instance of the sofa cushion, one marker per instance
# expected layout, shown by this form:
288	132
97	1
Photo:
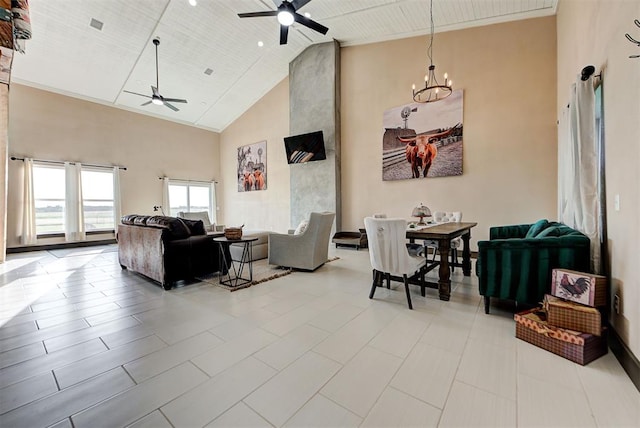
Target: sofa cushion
141	220
196	227
176	227
159	222
128	219
536	228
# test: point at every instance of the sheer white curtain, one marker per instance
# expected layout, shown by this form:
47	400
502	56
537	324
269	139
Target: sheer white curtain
166	204
213	214
578	167
117	204
29	208
565	169
73	214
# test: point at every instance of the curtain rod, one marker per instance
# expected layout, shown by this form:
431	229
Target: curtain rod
587	72
72	163
189	181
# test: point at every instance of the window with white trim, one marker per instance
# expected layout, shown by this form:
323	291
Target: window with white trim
189	197
49	184
49	196
97	199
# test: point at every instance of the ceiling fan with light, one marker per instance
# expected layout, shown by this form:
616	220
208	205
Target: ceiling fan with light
156	98
287	14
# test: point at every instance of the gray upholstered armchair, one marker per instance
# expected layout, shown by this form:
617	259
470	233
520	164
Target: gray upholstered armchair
308	250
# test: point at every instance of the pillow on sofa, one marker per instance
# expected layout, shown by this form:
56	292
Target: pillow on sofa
176	227
558	229
552	230
196	227
200	215
301	227
179	230
549	231
536	228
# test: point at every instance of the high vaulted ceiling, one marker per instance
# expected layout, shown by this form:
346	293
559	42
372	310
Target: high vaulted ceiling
68	56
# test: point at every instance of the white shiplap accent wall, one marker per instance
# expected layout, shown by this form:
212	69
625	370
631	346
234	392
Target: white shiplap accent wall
67	56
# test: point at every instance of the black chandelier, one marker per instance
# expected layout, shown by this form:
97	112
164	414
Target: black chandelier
432	91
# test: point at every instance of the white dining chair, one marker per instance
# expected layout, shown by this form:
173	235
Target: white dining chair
446	217
389	255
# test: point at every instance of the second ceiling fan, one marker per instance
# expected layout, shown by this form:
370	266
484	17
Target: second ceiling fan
155	96
287	14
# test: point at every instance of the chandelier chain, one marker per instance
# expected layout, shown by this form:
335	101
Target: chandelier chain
430	49
432	90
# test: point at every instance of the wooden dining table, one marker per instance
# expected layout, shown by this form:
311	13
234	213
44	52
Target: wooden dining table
444	233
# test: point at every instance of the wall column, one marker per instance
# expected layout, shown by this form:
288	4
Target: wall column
4	150
314	97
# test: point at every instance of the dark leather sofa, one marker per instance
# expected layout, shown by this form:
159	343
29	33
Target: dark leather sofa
166	249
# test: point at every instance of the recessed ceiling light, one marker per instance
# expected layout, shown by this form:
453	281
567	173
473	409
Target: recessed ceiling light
260	43
193	2
208	72
307	14
96	24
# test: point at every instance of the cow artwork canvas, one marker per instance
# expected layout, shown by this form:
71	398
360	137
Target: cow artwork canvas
252	167
423	140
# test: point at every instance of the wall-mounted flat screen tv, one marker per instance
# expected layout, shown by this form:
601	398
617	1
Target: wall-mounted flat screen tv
305	147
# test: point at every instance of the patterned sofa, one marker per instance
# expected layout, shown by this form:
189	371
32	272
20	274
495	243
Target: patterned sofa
166	249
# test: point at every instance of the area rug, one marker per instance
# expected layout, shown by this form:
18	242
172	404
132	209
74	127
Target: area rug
262	272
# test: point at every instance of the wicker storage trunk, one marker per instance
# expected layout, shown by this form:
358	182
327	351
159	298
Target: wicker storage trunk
581	348
572	316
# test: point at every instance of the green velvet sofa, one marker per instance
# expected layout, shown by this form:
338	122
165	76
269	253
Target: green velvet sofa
516	262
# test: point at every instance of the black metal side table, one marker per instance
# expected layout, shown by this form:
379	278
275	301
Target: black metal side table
235	275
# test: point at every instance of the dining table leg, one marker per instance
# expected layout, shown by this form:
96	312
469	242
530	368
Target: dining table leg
466	254
444	281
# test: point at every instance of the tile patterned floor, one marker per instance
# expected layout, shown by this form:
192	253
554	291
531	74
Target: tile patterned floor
85	344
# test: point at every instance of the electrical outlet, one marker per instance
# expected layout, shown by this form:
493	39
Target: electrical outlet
616	304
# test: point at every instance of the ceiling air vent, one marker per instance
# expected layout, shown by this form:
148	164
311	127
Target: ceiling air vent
96	24
208	72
